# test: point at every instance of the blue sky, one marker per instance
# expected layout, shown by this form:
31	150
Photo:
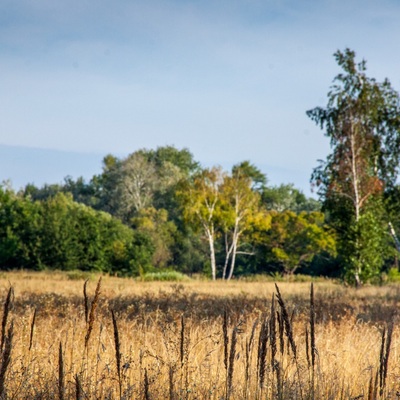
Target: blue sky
230	80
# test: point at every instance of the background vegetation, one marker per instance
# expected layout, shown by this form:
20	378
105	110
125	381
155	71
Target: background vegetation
158	210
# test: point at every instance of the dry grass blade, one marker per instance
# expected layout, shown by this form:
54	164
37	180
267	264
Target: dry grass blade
371	387
249	347
78	388
86	300
281	332
272	333
226	339
312	327
91	317
312	340
6	359
61	375
385	359
232	354
32	330
146	386
308	349
382	358
6	310
171	374
182	342
117	351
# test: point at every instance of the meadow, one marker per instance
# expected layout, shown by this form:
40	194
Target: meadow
116	338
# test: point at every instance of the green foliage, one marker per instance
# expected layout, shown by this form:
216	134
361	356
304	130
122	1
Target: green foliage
295	239
157	209
367	245
60	234
162	232
286	197
258	179
362	121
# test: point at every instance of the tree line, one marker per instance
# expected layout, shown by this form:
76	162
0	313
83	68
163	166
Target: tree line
158	209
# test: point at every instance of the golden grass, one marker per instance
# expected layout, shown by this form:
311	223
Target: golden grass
151	340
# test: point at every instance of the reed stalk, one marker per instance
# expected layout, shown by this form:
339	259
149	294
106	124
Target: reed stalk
117	347
146	386
86	300
6	311
231	365
32	330
6	359
61	375
313	347
226	340
91	317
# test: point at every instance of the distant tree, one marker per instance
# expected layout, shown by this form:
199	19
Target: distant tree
362	120
201	204
20	227
43	193
392	203
58	233
239	204
257	178
295	239
286	197
162	231
183	159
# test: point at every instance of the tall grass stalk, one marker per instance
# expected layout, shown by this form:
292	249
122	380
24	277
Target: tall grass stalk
6	359
32	330
146	386
262	353
288	322
86	300
249	352
384	357
78	388
61	374
117	347
226	340
313	347
6	310
91	317
231	362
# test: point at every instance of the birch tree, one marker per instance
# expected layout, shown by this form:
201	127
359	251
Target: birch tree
240	204
362	121
201	201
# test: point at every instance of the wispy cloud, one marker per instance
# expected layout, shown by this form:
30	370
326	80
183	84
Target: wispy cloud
231	80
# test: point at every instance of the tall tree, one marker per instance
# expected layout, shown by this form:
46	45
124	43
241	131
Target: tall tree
362	121
294	239
201	201
286	197
240	203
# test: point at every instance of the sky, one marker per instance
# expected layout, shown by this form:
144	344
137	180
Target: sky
230	80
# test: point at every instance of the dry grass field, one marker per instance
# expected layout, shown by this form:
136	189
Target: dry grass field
125	339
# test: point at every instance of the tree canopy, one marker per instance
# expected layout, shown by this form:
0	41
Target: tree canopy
362	121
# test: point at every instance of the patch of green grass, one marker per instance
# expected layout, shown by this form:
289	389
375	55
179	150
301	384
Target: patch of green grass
76	275
392	276
170	276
